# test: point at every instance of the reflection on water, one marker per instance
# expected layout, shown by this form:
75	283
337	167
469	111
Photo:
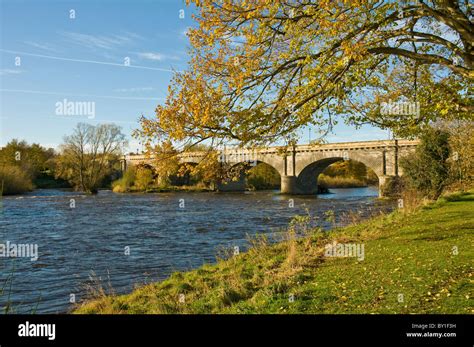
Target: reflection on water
162	236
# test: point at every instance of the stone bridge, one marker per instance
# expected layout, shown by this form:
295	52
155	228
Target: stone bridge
299	166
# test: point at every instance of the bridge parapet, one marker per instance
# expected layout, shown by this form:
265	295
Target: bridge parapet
340	146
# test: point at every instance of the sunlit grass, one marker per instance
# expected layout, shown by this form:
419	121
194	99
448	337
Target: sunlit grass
416	262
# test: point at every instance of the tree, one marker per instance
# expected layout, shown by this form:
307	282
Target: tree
210	170
166	161
87	156
408	98
427	170
31	159
461	140
260	70
13	180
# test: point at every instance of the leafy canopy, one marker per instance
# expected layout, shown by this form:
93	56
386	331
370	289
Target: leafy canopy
262	69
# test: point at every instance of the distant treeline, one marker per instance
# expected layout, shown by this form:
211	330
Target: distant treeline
89	159
26	166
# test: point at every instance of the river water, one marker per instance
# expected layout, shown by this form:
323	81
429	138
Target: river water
124	240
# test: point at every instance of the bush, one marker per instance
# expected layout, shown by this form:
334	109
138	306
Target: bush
427	170
393	187
127	181
144	178
14	180
461	140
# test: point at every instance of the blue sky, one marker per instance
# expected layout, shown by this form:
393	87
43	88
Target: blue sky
82	59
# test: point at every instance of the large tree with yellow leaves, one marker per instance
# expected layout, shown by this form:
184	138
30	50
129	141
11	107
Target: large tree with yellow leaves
262	69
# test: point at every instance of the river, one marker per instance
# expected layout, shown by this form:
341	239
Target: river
125	240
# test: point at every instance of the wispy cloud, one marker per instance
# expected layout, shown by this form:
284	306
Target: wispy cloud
99	41
134	35
157	56
42	46
9	72
134	89
151	56
86	61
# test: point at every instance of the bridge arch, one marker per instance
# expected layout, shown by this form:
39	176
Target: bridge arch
307	180
253	163
240	177
146	166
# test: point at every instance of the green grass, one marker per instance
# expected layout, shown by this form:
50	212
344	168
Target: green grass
425	255
340	182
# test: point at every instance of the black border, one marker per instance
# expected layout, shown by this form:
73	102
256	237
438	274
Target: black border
307	330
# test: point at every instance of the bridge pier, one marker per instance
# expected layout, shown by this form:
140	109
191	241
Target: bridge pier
289	185
123	164
382	181
294	186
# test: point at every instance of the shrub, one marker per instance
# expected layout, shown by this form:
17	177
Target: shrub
461	140
144	178
427	170
124	183
393	187
14	180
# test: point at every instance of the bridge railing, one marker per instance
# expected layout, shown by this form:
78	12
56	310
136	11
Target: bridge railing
356	145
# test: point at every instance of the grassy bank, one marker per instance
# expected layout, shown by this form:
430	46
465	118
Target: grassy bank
417	262
341	182
181	189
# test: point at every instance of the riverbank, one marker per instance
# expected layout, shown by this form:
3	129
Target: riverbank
417	262
341	182
14	181
169	189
